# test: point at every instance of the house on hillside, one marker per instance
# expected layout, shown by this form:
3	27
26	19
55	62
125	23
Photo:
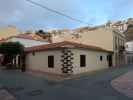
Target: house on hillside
66	58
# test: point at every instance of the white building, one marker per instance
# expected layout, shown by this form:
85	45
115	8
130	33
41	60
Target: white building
106	37
129	46
65	58
8	31
27	42
129	52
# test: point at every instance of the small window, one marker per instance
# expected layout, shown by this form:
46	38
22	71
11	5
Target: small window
82	60
101	58
51	61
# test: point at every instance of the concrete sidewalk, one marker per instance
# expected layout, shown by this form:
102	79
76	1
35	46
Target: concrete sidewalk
95	86
5	95
124	84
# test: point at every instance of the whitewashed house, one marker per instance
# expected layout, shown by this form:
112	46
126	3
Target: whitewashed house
65	58
129	46
129	52
26	40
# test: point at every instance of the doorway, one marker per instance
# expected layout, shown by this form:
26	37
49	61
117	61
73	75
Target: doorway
109	57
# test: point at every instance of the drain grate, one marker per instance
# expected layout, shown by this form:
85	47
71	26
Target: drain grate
35	92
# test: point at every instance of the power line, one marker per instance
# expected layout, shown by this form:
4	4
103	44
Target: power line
57	12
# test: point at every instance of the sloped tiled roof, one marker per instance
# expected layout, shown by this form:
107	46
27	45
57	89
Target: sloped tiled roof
65	44
2	40
30	36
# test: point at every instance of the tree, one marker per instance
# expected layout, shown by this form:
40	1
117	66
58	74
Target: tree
42	34
10	50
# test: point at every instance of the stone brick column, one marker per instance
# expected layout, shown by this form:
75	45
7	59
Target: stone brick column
67	61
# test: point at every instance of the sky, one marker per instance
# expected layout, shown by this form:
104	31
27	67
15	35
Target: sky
26	16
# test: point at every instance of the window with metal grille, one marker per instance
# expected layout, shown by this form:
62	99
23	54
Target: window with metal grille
82	60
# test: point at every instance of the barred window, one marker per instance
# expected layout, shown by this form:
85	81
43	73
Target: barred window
51	61
82	60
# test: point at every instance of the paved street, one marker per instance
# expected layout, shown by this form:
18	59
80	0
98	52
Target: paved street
91	87
124	84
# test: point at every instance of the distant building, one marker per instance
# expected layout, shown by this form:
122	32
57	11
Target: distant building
125	26
119	25
130	21
6	32
28	40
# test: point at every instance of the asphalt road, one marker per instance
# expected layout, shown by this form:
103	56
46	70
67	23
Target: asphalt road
95	86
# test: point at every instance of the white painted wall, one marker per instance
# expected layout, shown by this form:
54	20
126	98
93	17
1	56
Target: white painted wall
39	62
28	42
92	61
129	58
129	46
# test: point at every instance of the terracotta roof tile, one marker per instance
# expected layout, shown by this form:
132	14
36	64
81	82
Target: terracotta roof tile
2	40
65	44
29	36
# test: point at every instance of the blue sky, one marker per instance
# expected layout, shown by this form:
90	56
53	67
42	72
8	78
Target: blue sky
27	16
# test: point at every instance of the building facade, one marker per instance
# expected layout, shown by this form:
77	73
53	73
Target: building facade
6	32
27	42
119	48
106	37
129	52
66	58
129	46
129	57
